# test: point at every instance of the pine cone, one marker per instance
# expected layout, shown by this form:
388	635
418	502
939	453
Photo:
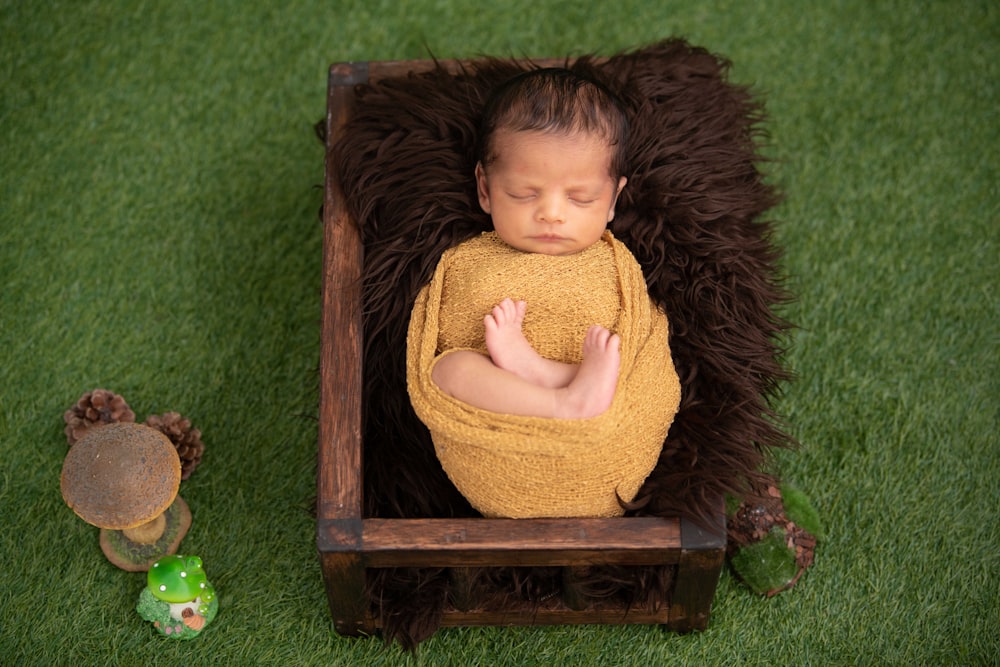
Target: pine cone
95	408
186	439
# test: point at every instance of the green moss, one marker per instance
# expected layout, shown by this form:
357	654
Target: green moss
157	612
766	565
136	552
801	511
732	504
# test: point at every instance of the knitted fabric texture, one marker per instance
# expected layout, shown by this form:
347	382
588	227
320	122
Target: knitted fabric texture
515	466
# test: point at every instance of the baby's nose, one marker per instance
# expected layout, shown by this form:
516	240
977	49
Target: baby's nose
552	209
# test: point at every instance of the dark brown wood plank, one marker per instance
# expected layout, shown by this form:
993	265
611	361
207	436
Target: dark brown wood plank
697	574
515	542
553	617
339	457
344	576
339	462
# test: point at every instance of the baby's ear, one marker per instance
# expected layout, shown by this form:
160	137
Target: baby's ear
621	186
482	188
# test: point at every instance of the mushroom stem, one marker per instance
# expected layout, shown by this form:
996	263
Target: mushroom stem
149	532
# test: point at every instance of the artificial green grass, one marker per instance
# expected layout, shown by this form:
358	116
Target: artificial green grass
159	237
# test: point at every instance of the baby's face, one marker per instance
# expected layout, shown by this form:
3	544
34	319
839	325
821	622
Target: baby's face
549	193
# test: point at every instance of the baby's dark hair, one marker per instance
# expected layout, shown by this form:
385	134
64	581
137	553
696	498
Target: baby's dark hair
558	100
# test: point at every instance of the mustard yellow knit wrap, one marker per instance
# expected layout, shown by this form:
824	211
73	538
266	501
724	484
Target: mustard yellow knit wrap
514	466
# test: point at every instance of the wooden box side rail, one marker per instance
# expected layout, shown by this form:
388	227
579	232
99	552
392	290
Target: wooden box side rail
350	547
349	544
507	542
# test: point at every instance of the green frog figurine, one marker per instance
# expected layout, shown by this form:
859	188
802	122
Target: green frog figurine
178	599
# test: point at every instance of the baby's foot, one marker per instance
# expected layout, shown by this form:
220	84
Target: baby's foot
593	389
505	340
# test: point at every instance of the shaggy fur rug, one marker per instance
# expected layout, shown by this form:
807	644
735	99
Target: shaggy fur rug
692	214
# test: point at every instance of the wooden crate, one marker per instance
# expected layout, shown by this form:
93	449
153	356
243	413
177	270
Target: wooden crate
350	544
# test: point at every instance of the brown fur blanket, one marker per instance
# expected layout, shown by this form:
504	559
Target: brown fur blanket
691	215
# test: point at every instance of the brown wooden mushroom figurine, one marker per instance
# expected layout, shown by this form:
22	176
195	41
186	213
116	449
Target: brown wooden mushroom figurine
124	479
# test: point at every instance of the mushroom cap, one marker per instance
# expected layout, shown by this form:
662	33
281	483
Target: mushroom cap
177	578
120	476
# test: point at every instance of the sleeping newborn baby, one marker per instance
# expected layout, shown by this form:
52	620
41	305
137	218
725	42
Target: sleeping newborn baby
535	356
